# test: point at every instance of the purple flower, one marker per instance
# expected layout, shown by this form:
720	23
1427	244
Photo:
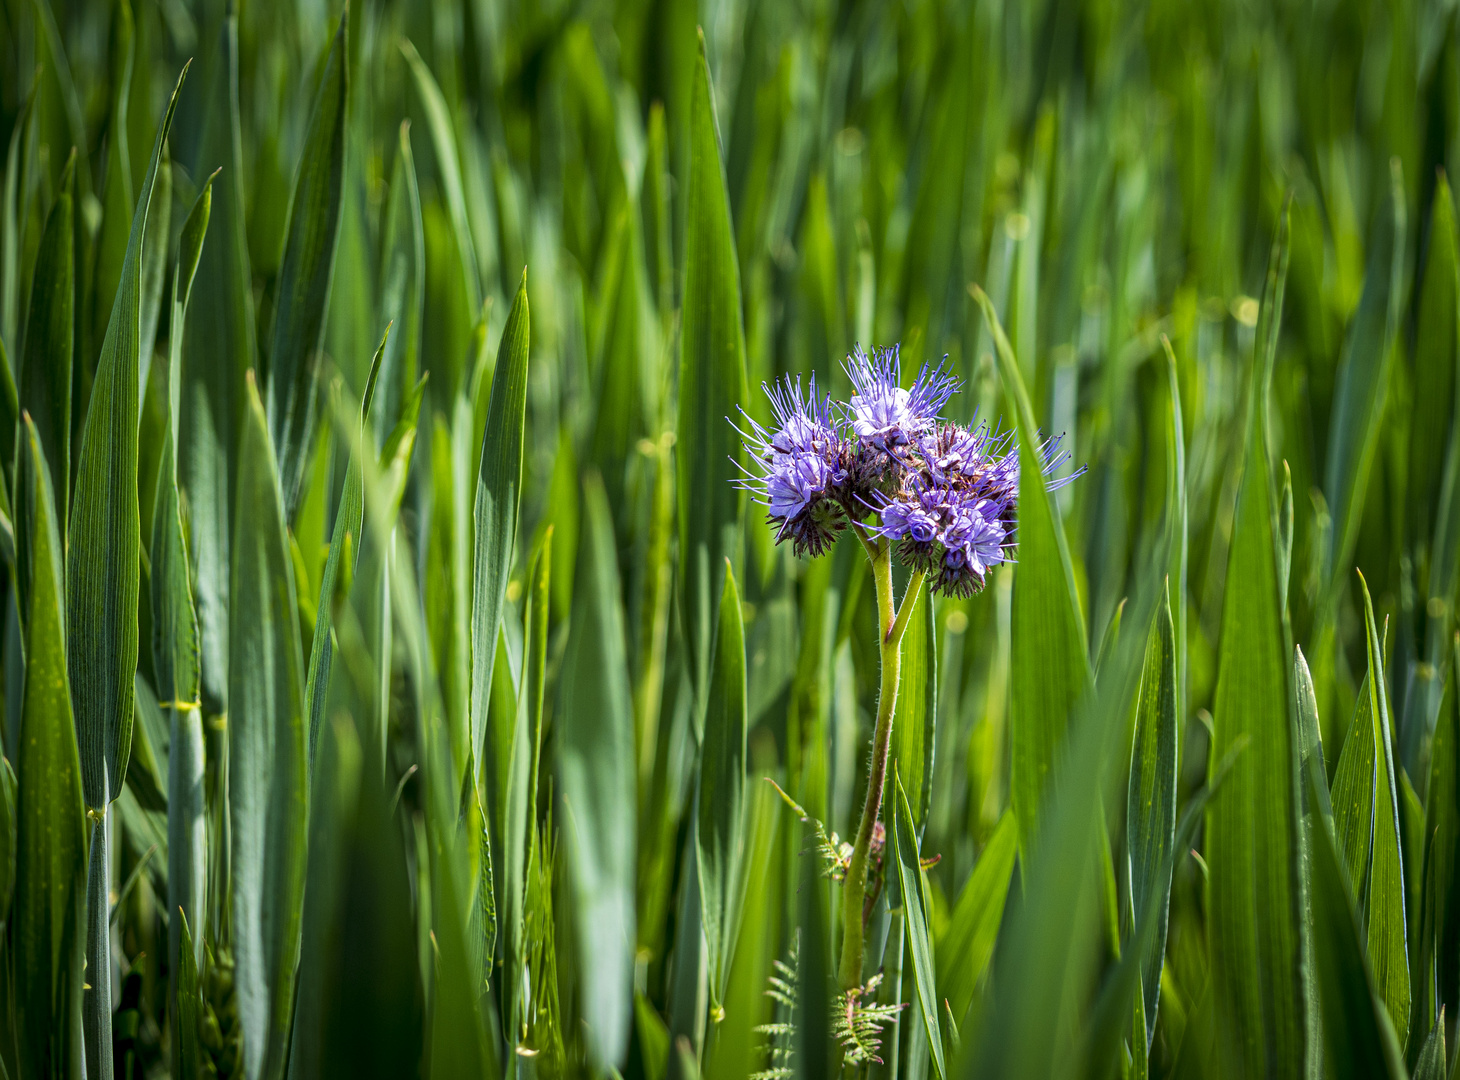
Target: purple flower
799	464
881	412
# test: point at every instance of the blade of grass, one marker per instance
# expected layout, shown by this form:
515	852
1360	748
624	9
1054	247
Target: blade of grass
915	905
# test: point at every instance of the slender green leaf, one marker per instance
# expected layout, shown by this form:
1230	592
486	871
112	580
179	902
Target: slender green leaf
913	734
50	861
267	782
1431	1063
1151	803
402	282
1252	824
45	363
1359	1039
915	905
595	759
218	348
1051	660
494	514
966	947
711	384
720	828
103	545
305	275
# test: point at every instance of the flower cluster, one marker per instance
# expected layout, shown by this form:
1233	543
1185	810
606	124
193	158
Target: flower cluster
945	496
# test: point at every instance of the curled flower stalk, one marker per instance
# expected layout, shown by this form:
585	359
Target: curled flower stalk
938	497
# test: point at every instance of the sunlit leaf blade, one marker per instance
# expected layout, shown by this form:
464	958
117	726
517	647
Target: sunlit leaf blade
402	282
498	490
521	800
218	348
266	756
103	544
596	799
1252	823
1384	891
1051	660
915	908
720	828
1363	378
1358	1036
1151	801
345	538
711	384
966	947
913	734
44	376
175	643
46	922
302	296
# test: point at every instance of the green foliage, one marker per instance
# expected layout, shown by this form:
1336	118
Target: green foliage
388	680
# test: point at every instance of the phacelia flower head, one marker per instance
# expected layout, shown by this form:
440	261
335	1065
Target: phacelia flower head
798	466
884	415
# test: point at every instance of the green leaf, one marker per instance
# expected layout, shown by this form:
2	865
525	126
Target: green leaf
711	384
50	860
1252	823
720	828
103	545
349	517
521	800
966	947
218	348
1359	1039
186	998
1384	891
108	262
498	491
448	166
45	362
7	839
1439	941
303	288
915	905
360	1004
1431	1063
1150	820
596	792
267	781
1051	660
402	282
175	643
1363	379
914	722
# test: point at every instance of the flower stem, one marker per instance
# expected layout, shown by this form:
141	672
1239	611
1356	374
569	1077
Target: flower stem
891	626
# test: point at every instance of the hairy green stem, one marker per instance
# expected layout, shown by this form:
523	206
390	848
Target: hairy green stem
891	625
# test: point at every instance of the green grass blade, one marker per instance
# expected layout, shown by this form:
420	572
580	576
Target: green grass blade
1358	1036
720	831
448	165
595	757
108	260
1431	1063
302	296
1442	830
1252	823
45	363
1384	893
50	862
913	734
103	545
175	636
267	781
498	492
402	282
966	947
711	385
1151	803
1051	665
915	905
1363	380
188	1054
218	348
344	538
360	1008
1354	793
